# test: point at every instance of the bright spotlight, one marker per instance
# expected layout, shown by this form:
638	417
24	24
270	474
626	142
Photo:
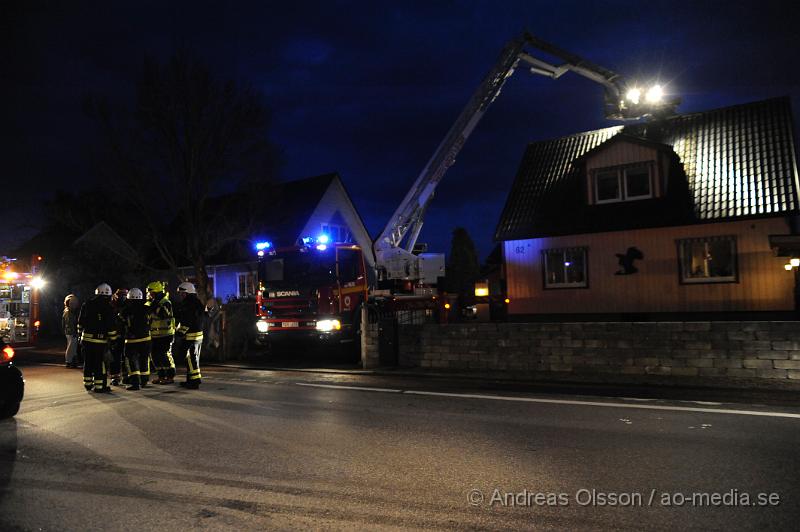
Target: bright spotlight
323	239
633	96
654	94
37	283
795	262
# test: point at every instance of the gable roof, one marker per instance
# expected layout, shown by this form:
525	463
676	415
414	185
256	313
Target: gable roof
102	235
294	203
626	137
285	213
737	161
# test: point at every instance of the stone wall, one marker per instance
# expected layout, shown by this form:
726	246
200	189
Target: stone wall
617	351
370	357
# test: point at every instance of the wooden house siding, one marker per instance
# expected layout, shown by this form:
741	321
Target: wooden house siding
620	153
762	285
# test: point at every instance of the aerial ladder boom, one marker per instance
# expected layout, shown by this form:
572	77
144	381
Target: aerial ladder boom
393	247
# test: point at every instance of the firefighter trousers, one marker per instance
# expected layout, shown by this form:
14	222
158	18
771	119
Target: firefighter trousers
161	349
189	351
137	356
117	348
94	366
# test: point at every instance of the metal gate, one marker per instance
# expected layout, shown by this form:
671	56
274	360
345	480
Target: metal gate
389	321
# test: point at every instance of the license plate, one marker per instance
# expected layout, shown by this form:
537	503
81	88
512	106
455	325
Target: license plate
291	324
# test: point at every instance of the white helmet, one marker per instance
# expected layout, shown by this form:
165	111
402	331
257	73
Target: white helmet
66	299
135	293
103	290
187	288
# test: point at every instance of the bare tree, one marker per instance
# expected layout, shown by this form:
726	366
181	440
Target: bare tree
192	141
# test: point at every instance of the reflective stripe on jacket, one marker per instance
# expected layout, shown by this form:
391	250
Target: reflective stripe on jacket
136	316
163	323
190	315
97	321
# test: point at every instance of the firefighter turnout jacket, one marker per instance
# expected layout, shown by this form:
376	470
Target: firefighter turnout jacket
136	315
97	321
189	317
163	319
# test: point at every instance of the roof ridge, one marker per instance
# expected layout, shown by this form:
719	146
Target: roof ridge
623	127
757	103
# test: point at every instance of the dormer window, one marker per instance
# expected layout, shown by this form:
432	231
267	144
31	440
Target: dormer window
623	183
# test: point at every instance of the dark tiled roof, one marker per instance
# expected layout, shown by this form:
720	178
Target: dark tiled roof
737	161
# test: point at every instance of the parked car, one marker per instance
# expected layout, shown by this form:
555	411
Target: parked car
12	385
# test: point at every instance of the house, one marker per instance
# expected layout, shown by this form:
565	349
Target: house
102	236
306	207
654	220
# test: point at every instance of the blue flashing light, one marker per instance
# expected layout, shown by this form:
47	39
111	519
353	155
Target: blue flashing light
323	239
260	246
307	240
321	247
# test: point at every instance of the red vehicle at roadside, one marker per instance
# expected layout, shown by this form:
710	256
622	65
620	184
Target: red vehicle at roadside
12	385
19	301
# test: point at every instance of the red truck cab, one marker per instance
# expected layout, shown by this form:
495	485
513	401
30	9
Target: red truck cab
312	291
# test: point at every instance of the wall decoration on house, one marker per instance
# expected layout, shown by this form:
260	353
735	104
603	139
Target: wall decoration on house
626	261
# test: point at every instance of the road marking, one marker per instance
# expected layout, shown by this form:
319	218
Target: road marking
639	406
342	387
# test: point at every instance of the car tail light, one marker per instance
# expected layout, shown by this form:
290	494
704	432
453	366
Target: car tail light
8	353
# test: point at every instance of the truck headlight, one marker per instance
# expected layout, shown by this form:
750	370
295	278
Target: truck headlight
329	325
262	326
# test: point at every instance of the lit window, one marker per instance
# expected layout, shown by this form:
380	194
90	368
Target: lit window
337	233
565	268
246	284
627	183
708	260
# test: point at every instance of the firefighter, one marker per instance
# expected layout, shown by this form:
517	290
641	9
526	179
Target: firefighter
117	347
98	326
136	318
189	318
162	329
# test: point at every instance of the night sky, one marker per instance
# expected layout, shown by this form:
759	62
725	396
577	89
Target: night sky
368	89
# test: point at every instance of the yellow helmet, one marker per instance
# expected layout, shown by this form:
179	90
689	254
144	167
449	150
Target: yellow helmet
155	286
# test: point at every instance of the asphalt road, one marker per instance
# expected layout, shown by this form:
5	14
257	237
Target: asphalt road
257	450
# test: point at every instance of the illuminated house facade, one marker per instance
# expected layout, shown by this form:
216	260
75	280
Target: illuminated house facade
306	207
658	220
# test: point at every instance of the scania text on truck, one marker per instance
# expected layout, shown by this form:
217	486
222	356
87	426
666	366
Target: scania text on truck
312	291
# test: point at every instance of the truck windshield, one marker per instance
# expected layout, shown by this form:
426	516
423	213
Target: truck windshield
298	269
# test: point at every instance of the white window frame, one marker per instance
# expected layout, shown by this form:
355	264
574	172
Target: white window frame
597	199
239	276
684	279
583	284
622	182
649	194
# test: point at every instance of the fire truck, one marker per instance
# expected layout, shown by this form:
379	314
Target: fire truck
19	302
316	288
